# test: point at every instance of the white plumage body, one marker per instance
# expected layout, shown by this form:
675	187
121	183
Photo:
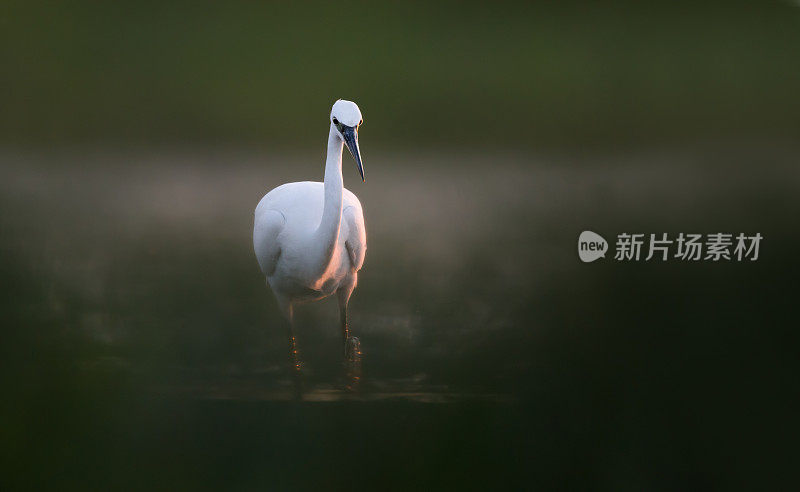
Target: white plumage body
286	220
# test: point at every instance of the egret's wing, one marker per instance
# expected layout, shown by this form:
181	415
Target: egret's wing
356	239
268	225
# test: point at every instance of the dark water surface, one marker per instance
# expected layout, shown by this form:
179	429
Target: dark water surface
143	350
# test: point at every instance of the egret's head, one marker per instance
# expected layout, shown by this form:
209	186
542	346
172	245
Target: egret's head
346	118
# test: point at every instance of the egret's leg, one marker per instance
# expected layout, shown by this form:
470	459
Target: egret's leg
343	325
293	357
351	345
287	308
343	295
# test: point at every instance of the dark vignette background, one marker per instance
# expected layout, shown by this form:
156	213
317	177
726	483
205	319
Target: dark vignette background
140	346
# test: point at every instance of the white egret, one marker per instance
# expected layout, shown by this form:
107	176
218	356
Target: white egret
309	237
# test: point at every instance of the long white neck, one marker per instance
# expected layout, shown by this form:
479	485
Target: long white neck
327	234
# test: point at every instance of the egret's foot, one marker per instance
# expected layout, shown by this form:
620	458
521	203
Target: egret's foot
352	349
352	364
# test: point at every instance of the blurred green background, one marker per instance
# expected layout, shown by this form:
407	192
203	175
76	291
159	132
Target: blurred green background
141	349
428	73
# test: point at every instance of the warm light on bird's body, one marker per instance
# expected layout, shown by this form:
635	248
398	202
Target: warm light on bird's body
309	237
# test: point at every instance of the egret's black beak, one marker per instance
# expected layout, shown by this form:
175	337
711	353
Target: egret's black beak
350	134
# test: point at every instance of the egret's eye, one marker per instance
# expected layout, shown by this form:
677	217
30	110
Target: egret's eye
335	121
359	123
